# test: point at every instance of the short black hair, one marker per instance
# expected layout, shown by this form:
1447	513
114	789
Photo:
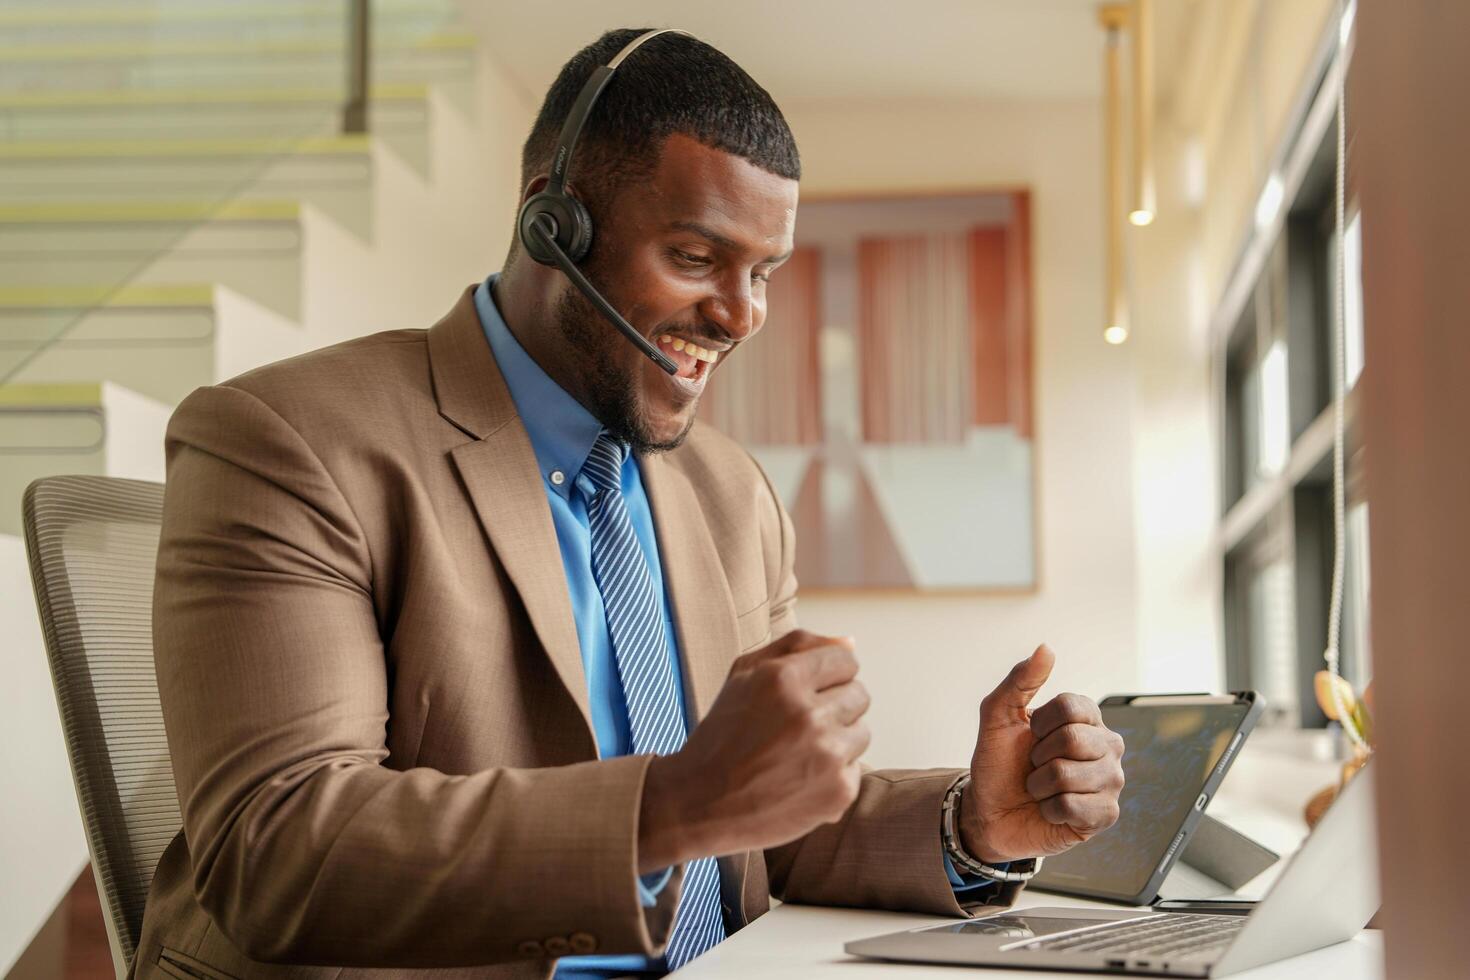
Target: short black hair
672	84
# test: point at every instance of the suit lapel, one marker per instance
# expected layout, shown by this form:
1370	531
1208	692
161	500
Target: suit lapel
504	484
704	610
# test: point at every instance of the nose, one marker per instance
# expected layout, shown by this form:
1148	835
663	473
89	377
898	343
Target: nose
734	307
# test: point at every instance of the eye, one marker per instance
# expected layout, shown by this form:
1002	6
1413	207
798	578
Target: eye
688	258
758	277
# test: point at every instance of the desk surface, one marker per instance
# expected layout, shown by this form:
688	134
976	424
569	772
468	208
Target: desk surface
1262	796
804	941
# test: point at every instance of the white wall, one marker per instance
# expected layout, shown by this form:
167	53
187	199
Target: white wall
135	428
1175	461
42	848
929	659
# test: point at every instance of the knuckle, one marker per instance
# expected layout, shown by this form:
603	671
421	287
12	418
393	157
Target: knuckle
1101	819
833	759
785	677
796	638
1072	739
808	724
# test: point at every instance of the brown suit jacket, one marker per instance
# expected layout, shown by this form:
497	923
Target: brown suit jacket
374	695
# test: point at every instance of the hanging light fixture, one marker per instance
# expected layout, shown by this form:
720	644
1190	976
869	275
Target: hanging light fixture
1113	17
1143	205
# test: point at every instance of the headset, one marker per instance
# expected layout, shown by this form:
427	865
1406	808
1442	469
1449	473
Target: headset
555	228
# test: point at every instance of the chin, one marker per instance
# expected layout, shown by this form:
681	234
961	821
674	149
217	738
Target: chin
666	431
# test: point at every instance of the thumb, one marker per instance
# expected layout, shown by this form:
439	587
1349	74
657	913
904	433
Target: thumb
1025	679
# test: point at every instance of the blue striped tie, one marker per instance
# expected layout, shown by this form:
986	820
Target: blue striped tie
635	624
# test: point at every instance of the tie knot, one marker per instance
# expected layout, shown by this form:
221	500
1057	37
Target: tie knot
604	465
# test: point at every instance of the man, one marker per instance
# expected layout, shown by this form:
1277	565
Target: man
476	652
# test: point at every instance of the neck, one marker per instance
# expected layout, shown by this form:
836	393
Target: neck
526	302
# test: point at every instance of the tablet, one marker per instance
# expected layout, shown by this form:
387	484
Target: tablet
1177	749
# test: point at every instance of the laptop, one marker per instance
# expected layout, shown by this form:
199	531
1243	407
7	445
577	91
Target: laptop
1326	894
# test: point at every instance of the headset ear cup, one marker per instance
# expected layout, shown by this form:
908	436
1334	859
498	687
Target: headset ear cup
581	225
573	226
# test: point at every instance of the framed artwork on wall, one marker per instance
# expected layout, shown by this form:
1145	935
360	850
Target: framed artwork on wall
889	394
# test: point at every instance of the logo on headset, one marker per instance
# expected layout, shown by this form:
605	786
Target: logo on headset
561	159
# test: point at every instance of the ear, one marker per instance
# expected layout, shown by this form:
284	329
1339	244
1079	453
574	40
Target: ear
536	186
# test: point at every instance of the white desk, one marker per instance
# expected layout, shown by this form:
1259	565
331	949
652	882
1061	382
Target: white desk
804	942
1262	796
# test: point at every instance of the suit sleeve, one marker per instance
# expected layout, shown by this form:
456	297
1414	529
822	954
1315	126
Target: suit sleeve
274	687
886	851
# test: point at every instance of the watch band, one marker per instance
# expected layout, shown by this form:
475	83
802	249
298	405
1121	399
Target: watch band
1023	870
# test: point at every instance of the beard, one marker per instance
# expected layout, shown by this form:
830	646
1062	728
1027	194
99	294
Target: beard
612	391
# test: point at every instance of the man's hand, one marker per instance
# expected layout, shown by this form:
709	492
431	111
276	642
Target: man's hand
1043	781
776	756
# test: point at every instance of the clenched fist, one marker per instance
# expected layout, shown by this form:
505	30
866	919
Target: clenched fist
1042	781
775	757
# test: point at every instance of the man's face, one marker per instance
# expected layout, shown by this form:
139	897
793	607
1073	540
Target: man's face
684	257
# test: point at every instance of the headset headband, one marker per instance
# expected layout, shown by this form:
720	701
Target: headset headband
571	130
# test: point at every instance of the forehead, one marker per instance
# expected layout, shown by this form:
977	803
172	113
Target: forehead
698	183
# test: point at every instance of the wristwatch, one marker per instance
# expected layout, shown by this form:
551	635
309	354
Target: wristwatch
1023	870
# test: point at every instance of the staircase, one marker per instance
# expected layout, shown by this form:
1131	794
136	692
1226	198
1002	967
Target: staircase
178	204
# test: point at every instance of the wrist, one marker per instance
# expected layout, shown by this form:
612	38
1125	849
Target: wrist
987	865
661	827
677	821
971	832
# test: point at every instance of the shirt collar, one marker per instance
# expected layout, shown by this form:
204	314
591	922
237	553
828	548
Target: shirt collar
562	431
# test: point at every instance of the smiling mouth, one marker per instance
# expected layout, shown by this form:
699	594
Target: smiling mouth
693	361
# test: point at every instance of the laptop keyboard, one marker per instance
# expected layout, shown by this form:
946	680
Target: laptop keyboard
1181	935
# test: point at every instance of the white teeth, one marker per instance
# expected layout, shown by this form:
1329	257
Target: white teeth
689	347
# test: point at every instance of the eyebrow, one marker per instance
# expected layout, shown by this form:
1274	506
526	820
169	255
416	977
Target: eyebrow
723	241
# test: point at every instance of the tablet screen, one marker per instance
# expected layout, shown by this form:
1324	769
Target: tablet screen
1169	751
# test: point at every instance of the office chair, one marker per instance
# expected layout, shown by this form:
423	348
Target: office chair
92	542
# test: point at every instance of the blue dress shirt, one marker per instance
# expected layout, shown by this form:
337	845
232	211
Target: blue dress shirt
562	432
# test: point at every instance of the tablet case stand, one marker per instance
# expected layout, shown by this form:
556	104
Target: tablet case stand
1218	860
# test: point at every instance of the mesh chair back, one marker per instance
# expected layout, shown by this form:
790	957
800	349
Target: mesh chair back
92	543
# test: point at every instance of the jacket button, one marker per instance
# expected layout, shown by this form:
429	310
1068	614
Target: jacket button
530	948
558	946
583	943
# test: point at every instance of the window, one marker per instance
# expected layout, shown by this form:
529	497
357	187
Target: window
1277	442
